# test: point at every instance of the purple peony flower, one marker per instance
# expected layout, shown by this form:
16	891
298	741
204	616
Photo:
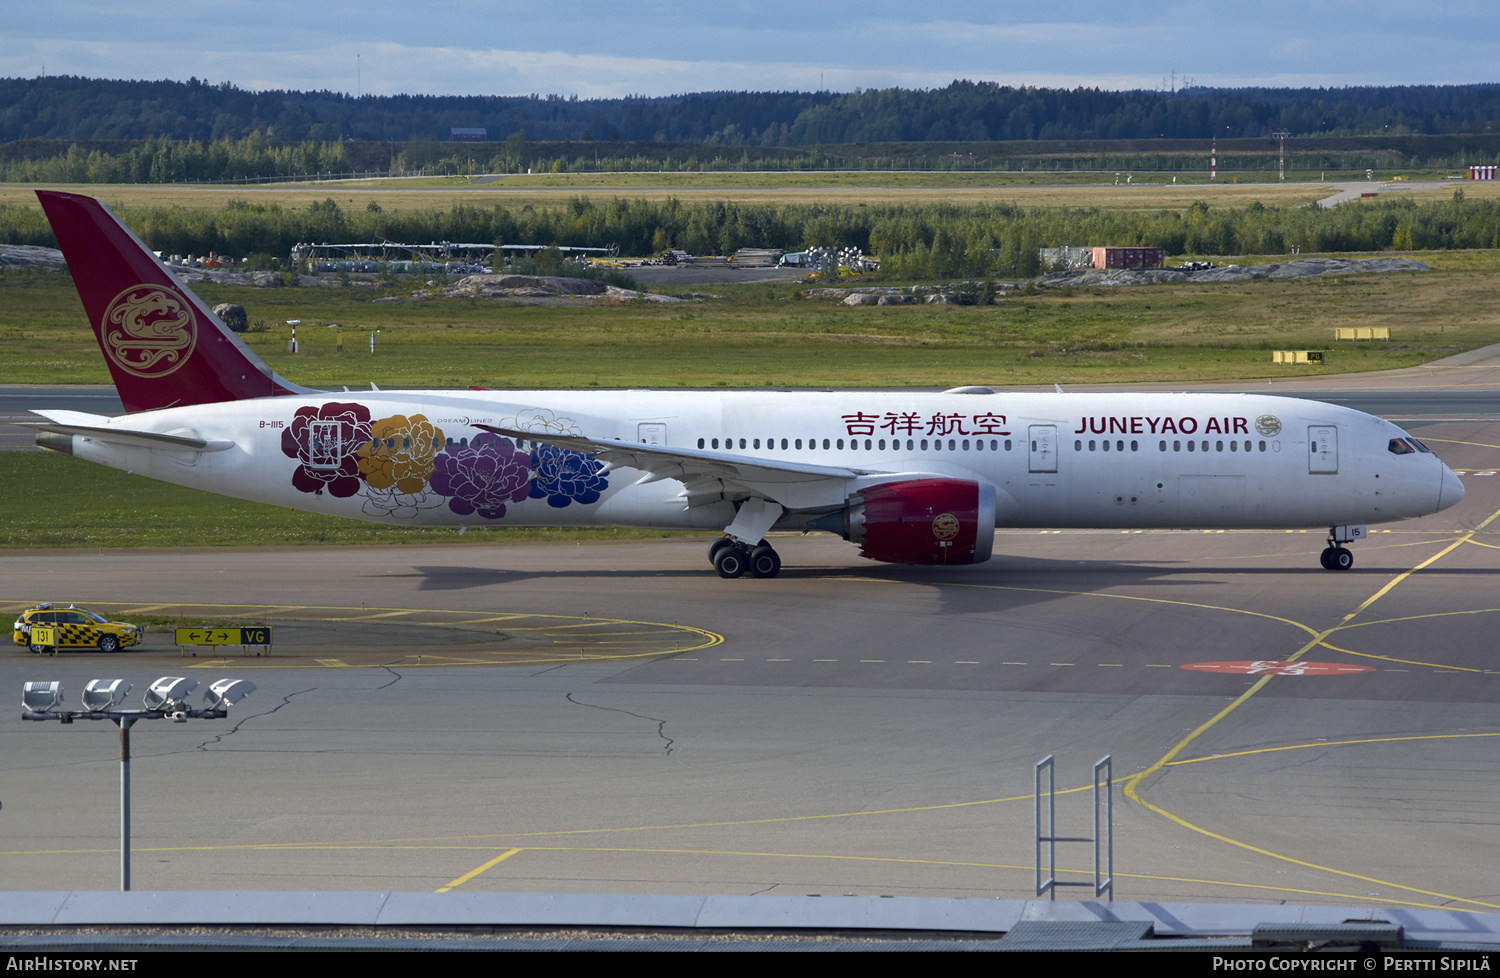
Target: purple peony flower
482	476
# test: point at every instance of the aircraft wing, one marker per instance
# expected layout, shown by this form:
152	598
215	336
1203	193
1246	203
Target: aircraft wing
708	476
105	429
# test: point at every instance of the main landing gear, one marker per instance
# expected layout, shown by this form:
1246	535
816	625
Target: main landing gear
732	558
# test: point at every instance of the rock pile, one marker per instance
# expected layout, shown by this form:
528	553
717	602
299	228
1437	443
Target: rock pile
30	255
234	316
545	287
1297	268
189	275
885	295
512	286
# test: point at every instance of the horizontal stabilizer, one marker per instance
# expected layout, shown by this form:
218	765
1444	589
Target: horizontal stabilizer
100	428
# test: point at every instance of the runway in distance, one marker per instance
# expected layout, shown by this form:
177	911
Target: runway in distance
917	478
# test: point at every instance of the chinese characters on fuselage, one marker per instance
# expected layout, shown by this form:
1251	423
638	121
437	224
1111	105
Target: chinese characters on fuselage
989	423
912	423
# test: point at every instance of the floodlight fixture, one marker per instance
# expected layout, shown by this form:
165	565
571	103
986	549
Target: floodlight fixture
227	692
104	694
41	697
166	698
169	692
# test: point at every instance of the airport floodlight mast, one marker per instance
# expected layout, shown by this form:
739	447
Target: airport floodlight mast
165	699
1281	134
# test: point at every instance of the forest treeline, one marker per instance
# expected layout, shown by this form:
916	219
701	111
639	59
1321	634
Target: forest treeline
915	241
160	160
258	157
75	108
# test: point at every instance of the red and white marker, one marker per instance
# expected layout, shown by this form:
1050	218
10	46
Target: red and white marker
1275	667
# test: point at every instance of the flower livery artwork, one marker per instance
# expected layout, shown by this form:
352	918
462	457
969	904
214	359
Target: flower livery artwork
483	476
403	464
541	421
396	464
562	476
559	475
324	440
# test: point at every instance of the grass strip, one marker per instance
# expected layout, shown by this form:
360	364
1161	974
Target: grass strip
53	501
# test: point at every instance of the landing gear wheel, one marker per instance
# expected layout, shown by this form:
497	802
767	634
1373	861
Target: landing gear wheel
731	562
108	643
1337	558
716	547
764	562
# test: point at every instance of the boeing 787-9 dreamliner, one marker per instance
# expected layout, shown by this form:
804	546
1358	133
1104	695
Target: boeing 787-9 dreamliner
916	478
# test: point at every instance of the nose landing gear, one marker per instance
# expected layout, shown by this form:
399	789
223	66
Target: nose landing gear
1336	556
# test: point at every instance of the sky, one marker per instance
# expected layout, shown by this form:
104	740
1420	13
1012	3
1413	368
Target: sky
646	47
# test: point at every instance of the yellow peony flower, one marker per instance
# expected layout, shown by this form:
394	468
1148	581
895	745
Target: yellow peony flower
400	453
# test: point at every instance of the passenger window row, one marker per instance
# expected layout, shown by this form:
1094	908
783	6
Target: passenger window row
868	444
1117	445
1193	446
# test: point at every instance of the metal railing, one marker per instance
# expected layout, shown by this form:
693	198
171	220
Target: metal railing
1104	858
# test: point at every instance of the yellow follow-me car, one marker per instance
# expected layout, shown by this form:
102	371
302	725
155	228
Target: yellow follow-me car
77	628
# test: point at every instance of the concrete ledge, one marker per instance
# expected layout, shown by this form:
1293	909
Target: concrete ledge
772	913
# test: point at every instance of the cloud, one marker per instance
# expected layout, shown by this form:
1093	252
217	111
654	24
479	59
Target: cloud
655	47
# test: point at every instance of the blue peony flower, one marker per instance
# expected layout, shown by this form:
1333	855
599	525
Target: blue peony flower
563	476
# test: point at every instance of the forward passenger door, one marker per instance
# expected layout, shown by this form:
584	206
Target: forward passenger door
1042	455
1322	449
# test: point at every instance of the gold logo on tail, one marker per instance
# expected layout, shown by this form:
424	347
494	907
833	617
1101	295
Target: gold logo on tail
148	331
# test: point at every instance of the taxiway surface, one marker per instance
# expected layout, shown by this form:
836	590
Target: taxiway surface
612	717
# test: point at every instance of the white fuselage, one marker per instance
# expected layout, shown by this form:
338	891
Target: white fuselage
1055	459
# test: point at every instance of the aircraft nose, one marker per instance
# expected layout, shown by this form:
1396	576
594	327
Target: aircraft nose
1452	491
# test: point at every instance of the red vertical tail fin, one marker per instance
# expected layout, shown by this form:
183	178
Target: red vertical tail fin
164	347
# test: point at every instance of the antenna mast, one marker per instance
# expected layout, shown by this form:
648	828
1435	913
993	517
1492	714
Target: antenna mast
1281	134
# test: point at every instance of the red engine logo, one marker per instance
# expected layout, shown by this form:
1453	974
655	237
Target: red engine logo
945	527
148	331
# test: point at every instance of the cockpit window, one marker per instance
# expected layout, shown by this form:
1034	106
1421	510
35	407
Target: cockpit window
1419	446
1398	446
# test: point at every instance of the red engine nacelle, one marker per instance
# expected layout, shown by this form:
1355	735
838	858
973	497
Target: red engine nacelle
925	521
